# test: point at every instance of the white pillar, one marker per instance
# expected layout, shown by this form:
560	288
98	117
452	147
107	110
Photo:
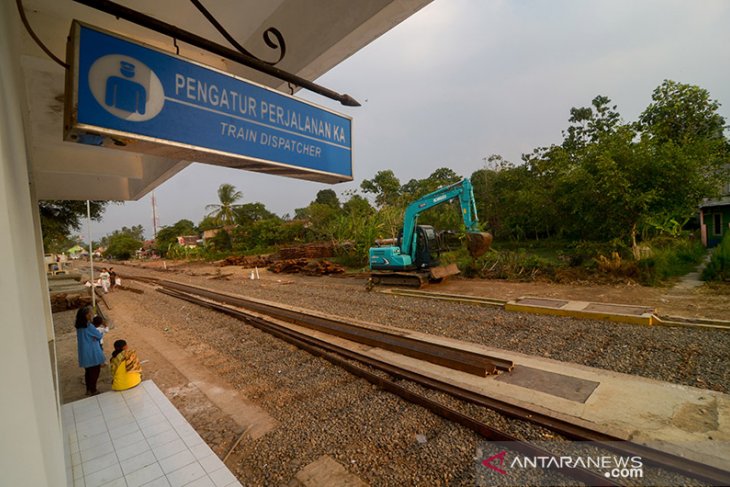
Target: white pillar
31	441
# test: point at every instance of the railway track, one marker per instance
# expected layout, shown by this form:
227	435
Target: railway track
344	358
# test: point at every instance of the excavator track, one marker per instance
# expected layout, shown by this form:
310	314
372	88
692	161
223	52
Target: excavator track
412	279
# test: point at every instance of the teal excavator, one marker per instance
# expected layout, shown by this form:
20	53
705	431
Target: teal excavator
412	259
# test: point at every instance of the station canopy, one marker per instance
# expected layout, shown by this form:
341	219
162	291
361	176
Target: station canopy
319	34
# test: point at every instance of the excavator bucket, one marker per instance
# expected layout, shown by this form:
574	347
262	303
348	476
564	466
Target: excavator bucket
478	243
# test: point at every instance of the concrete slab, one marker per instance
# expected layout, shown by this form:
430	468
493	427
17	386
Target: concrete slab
326	472
640	315
560	385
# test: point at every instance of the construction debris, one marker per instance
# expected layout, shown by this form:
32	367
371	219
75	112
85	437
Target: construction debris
64	301
310	251
307	267
127	288
246	261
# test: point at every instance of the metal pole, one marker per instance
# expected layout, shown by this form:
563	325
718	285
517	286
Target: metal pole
154	216
91	254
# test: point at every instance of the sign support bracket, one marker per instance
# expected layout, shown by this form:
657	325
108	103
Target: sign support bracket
164	28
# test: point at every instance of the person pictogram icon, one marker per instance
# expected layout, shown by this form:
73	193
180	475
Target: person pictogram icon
125	94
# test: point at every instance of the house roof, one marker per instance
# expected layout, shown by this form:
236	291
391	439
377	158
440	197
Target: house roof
715	203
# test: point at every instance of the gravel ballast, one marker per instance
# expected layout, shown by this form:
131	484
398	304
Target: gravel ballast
325	411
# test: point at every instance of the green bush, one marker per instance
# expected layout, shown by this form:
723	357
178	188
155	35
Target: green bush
718	269
670	258
513	265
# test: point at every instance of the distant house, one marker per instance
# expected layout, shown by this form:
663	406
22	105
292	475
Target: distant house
208	234
715	218
188	240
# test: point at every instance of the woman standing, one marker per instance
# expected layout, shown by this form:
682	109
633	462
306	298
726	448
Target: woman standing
90	354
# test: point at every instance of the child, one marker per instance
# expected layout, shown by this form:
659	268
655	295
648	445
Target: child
105	280
100	325
125	368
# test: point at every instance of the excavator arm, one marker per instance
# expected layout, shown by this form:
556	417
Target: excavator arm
477	242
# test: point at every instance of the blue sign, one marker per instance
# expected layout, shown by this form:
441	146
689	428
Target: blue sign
130	96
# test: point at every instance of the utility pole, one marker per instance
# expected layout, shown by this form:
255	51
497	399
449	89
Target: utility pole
91	255
154	216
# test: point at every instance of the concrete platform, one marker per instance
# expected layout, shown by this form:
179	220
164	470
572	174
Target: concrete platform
137	438
639	315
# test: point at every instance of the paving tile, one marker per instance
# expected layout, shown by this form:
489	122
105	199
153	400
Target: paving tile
85	406
91	429
71	435
144	475
222	477
201	482
138	462
162	438
116	412
135	438
156	418
186	474
160	482
235	484
97	479
120	482
192	439
128	439
94	441
145	412
169	449
184	429
211	463
157	429
99	463
77	472
177	461
132	450
98	451
201	450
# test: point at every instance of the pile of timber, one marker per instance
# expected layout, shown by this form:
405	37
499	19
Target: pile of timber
244	261
310	251
66	301
307	267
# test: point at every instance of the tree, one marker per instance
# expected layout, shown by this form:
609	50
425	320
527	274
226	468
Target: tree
590	124
682	113
224	213
415	188
167	235
385	186
252	212
122	246
327	197
136	232
59	218
357	205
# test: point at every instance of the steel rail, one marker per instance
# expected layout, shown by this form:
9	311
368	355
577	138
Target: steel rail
657	458
313	346
455	358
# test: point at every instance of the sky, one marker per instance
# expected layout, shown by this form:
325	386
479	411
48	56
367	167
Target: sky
463	79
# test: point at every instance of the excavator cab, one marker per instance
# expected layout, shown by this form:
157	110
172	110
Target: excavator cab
428	247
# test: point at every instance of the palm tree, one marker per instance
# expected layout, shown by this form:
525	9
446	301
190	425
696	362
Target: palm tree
225	212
